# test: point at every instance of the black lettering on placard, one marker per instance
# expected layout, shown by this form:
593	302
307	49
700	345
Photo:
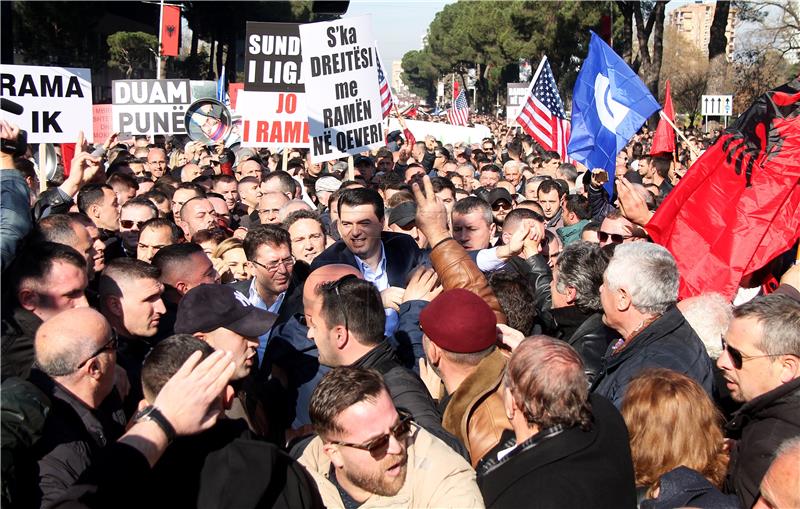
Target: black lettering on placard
322	144
47	86
273	57
351	139
346	114
144	122
335	63
48	122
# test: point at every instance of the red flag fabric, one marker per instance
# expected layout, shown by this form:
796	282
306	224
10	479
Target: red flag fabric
664	139
67	153
738	207
170	30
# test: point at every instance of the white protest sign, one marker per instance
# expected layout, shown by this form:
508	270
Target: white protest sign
51	103
341	77
517	95
150	106
273	103
273	119
446	133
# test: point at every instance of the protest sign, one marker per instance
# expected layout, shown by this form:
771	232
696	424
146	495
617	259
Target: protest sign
150	106
273	57
102	123
340	73
446	133
272	103
517	95
51	103
272	119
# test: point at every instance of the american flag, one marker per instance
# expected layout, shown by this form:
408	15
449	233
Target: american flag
543	115
386	92
459	113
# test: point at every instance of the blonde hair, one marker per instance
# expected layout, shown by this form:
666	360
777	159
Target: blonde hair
672	422
227	245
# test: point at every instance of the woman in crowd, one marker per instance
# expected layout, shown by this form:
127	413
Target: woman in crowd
676	442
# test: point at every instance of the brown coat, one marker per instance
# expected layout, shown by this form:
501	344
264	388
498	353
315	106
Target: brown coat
475	413
456	269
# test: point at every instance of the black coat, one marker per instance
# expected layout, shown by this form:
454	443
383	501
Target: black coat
571	469
760	426
587	334
18	330
402	257
669	342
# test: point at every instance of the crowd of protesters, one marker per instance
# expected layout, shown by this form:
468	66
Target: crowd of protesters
423	325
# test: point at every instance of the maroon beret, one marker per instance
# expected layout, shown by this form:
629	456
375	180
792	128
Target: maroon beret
459	321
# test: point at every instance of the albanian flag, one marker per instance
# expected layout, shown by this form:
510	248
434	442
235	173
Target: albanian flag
664	139
738	207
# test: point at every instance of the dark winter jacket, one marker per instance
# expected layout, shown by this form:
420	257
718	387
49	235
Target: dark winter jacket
669	342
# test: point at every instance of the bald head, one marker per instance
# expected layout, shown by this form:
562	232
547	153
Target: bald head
780	486
68	338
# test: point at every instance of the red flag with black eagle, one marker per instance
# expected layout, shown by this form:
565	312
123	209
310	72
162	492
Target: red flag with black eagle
738	206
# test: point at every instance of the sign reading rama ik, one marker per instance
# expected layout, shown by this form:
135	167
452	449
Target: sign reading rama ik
717	105
52	103
272	103
150	106
340	69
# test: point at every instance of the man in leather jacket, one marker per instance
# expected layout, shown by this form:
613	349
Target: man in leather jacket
577	310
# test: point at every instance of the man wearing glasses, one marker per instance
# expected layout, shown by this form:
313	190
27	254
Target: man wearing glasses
369	452
616	229
761	365
276	286
76	360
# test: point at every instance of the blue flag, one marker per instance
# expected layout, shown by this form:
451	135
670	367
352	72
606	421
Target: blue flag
609	105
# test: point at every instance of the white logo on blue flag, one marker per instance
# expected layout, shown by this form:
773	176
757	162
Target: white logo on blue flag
609	105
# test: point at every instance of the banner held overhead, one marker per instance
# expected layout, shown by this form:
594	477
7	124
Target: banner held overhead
55	102
344	103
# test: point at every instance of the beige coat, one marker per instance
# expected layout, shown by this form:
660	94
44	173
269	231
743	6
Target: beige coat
437	477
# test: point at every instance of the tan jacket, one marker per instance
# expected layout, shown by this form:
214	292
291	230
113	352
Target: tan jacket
475	413
437	477
456	269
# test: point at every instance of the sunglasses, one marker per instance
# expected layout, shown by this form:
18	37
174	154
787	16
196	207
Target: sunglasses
333	287
501	205
127	223
616	238
738	358
110	345
378	446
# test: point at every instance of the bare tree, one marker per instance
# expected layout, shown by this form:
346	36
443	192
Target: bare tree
717	46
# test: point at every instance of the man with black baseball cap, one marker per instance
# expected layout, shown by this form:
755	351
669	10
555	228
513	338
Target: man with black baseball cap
402	219
502	203
222	317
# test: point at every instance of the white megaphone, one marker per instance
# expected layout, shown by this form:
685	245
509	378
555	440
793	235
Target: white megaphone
46	162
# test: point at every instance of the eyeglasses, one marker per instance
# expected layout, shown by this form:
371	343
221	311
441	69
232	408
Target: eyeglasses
738	358
616	238
273	267
127	223
333	286
378	446
501	205
110	345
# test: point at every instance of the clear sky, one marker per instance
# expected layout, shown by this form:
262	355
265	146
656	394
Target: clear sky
399	26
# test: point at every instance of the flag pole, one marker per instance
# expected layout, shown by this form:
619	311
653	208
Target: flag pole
160	33
680	133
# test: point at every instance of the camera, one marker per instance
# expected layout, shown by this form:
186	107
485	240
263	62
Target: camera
18	146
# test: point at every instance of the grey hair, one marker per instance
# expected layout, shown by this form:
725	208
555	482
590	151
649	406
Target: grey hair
472	204
788	447
581	266
779	317
709	315
649	274
64	362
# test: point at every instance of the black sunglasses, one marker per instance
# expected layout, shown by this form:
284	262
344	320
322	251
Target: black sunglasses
333	287
378	446
616	238
110	345
127	223
501	205
738	358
